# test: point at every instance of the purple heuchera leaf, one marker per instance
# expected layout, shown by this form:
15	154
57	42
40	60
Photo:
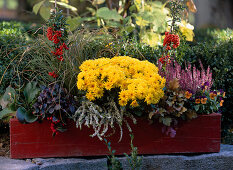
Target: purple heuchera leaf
189	78
172	132
169	131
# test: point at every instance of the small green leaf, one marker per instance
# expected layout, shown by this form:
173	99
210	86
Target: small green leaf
60	129
65	5
30	118
196	107
6	112
25	117
37	6
20	114
108	14
45	12
129	29
8	97
138	112
74	23
167	121
169	103
31	91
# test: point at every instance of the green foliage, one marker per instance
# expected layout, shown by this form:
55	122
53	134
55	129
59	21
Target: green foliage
177	8
7	103
25	116
131	48
107	14
113	162
81	48
37	6
13	40
19	102
43	7
149	27
66	5
212	34
134	161
30	92
133	18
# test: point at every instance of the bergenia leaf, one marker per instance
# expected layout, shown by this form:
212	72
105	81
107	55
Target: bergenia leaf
20	114
30	118
30	91
8	97
6	112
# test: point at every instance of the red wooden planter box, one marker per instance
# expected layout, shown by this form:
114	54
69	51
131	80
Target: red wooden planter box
199	135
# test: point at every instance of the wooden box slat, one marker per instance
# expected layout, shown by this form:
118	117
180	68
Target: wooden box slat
200	135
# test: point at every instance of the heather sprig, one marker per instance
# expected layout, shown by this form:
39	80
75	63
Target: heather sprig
190	78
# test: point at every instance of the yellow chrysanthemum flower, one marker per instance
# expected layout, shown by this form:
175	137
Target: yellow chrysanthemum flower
136	80
134	103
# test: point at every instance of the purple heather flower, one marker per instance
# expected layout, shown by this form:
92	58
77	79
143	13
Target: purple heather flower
190	78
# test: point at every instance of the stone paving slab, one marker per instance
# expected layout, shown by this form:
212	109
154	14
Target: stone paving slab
214	161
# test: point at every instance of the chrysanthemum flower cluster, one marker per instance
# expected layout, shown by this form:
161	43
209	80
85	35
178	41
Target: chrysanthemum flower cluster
137	81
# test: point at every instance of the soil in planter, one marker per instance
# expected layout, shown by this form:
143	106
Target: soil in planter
4	140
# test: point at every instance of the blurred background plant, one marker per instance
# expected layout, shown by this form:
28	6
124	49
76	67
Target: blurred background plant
130	19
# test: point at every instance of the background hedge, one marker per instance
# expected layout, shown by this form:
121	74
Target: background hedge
13	39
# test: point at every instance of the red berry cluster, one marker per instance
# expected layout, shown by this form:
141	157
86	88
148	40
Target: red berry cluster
56	37
171	39
53	35
53	74
59	51
165	59
50	33
54	125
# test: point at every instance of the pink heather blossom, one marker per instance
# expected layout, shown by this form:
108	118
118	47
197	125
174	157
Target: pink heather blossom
190	78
